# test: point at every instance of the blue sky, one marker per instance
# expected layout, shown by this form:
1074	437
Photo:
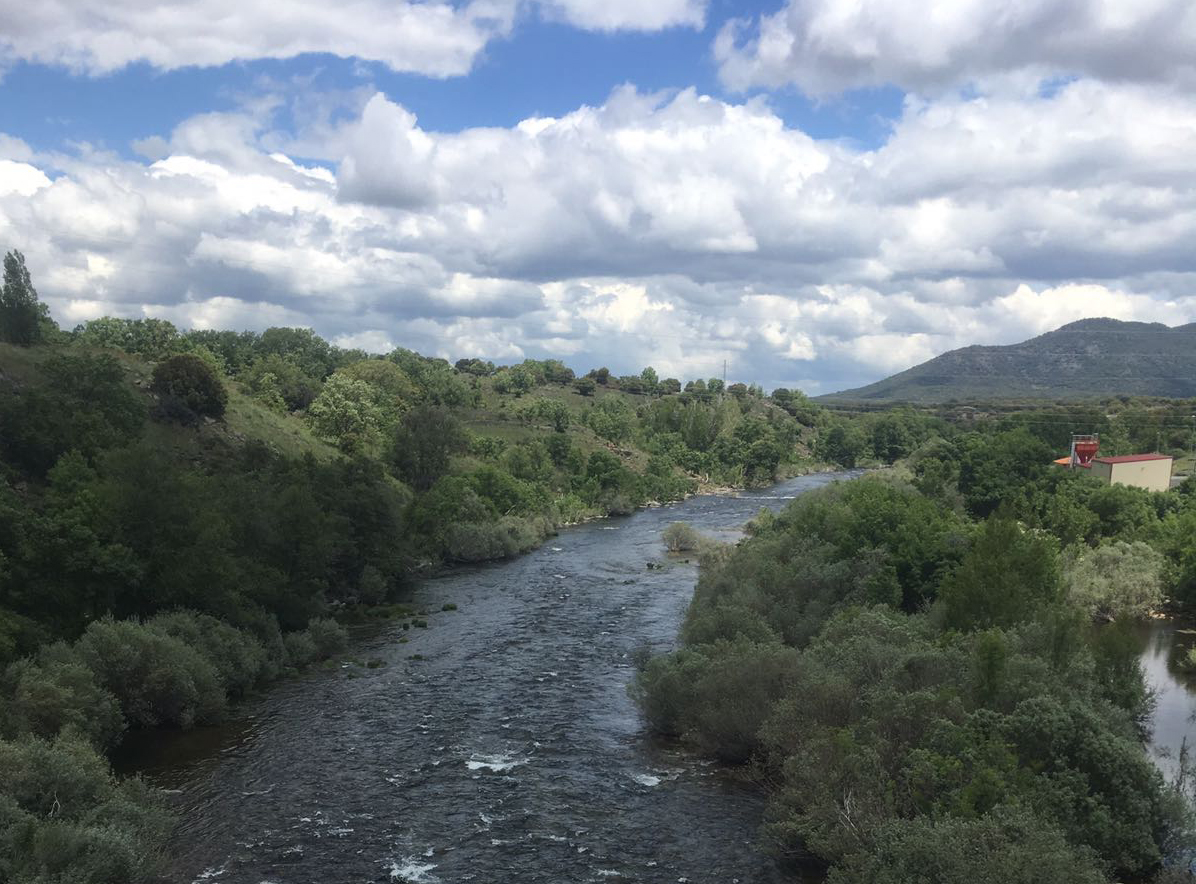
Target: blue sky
543	68
820	193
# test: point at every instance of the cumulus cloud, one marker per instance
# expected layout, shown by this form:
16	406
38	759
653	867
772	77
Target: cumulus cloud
668	229
830	46
432	37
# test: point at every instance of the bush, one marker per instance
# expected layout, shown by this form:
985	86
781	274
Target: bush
301	649
1116	579
188	379
681	537
1008	847
86	406
55	694
328	636
64	818
238	658
156	678
485	541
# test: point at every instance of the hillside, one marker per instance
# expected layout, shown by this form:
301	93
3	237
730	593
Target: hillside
1087	358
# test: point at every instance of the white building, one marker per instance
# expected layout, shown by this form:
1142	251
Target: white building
1149	471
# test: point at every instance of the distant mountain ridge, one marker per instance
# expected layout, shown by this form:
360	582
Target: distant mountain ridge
1091	357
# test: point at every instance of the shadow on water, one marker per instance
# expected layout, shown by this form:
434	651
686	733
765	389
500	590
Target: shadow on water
500	744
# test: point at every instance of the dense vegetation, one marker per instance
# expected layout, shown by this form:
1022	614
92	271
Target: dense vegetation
909	661
182	512
185	515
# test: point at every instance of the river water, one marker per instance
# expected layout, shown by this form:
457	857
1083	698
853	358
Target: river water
1164	643
510	752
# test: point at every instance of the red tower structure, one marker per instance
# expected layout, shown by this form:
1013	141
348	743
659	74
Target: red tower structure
1083	450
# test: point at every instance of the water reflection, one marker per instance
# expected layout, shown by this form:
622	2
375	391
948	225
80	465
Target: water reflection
1165	643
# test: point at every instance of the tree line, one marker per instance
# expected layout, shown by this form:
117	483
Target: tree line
935	673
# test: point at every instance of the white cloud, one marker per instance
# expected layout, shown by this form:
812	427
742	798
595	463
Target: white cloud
673	230
432	37
629	15
21	178
830	46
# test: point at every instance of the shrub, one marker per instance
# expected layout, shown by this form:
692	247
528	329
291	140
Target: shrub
1008	847
681	537
54	694
64	818
156	678
188	379
483	541
301	649
372	588
328	636
238	658
1116	579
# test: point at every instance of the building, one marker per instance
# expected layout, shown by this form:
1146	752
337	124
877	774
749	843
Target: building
1149	471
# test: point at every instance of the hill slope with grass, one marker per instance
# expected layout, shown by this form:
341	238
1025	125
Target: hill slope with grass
1092	357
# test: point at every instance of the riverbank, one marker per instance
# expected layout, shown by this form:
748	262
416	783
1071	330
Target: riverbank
499	741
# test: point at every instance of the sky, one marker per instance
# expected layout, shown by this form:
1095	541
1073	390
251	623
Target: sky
817	192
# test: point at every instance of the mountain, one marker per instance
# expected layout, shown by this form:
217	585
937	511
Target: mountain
1092	357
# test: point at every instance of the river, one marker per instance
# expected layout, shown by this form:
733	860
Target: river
499	744
1173	721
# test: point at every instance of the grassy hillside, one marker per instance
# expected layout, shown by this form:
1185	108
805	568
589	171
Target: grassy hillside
1089	358
246	419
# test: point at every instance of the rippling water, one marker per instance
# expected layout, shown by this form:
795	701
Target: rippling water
509	753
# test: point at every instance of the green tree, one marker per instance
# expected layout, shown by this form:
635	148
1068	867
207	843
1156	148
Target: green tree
152	339
554	411
650	379
192	382
84	405
1008	576
426	438
347	414
22	315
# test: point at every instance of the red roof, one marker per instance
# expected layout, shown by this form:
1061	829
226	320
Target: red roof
1133	458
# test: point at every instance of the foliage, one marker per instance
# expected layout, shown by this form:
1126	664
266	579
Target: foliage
426	438
64	817
681	537
57	693
191	381
157	678
1009	846
347	413
85	405
1009	575
990	736
151	339
24	320
551	411
1116	579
